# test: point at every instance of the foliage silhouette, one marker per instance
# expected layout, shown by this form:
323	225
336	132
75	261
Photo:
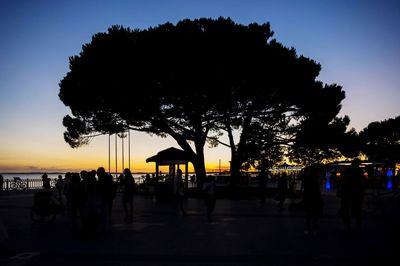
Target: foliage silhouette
381	140
195	81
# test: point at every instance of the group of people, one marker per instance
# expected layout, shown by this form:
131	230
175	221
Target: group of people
350	191
208	190
90	197
90	200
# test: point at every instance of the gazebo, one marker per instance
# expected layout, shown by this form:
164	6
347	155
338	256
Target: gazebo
172	157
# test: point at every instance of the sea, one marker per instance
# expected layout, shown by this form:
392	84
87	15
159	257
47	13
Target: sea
139	177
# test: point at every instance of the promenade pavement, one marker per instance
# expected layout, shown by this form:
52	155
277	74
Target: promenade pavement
242	232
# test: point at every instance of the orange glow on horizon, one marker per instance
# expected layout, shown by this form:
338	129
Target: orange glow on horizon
79	165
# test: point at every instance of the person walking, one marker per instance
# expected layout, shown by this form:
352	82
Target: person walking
282	188
106	193
127	195
351	193
262	183
209	196
312	199
179	191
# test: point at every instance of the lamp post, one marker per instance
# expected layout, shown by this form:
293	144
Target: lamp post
109	154
129	148
122	135
116	156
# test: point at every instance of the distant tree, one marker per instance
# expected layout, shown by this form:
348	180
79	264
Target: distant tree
381	140
318	142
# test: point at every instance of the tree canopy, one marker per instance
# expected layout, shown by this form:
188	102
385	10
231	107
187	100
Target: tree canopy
381	140
195	81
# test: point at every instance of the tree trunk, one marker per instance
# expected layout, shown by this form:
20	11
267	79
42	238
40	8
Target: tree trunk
199	166
237	151
235	169
200	170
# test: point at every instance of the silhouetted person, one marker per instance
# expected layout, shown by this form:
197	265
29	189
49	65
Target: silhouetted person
106	193
147	178
59	186
262	182
46	181
120	181
209	195
312	198
178	190
73	193
91	202
192	179
282	188
1	182
396	180
127	194
352	194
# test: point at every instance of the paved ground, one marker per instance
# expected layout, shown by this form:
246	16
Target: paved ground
242	233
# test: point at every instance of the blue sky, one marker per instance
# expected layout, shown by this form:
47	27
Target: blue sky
357	43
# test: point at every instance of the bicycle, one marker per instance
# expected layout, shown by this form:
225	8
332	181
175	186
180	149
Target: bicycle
17	183
45	207
379	202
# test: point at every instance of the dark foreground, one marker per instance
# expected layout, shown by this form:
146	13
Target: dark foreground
243	232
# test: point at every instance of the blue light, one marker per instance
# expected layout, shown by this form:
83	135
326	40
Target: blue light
328	185
389	184
389	173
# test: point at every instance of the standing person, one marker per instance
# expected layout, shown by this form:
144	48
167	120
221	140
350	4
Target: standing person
91	203
282	188
127	195
178	191
59	186
46	181
1	182
74	194
209	196
351	193
312	199
262	181
106	193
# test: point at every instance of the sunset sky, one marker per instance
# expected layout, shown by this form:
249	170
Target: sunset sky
356	42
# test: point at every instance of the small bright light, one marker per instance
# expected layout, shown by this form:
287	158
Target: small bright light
389	173
389	184
328	185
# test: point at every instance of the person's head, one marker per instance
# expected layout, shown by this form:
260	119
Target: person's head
84	175
179	172
127	171
75	178
101	171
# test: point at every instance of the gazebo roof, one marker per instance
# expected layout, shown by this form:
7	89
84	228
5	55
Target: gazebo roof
169	156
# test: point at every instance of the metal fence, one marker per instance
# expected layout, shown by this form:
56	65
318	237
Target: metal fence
25	184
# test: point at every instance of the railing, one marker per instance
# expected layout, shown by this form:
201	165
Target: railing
24	184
